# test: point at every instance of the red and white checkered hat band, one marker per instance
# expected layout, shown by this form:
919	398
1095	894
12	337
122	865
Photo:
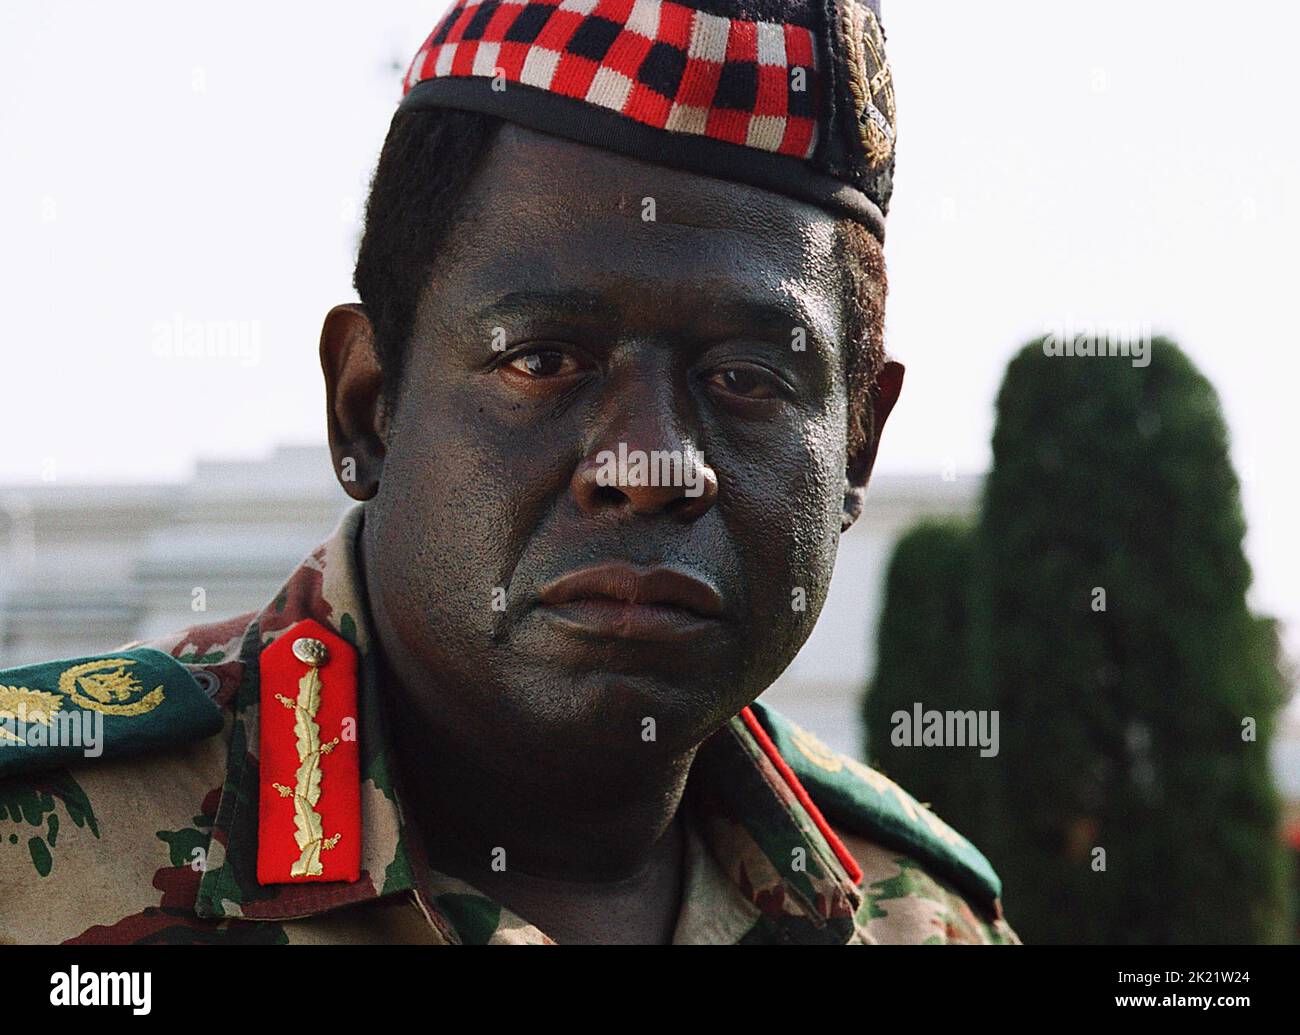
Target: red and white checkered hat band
659	63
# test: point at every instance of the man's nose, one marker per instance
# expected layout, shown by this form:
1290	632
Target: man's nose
646	462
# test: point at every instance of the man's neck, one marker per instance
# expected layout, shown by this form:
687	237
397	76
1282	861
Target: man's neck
641	909
587	850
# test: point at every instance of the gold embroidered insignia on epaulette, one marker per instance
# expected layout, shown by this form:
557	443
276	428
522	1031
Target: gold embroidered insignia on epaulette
306	790
20	705
105	685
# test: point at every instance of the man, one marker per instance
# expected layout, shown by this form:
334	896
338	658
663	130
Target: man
613	391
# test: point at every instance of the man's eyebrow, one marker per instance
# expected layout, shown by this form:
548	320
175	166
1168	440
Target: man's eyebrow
783	311
570	301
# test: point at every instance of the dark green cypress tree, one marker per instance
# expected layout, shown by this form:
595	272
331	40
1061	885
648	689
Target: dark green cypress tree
1112	629
921	652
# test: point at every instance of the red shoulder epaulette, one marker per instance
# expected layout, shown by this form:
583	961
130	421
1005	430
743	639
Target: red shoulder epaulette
309	823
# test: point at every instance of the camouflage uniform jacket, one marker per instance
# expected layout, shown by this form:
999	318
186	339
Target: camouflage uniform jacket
161	847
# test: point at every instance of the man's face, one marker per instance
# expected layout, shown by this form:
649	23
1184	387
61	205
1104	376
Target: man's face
585	304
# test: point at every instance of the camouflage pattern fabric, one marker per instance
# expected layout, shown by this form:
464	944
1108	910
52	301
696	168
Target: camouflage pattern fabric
161	848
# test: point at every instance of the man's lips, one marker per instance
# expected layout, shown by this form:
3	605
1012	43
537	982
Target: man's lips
626	602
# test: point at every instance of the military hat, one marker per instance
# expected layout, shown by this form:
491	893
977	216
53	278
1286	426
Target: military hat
794	96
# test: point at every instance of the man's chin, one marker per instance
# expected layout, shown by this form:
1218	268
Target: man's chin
624	711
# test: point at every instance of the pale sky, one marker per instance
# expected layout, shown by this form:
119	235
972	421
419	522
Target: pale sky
169	165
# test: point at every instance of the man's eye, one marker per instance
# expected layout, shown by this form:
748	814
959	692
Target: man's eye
543	363
747	382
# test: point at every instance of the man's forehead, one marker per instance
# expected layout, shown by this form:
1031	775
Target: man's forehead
556	180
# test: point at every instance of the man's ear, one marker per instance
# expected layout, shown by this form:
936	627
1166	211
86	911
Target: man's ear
354	400
883	395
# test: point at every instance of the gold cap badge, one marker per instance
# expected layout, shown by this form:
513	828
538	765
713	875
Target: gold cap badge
871	82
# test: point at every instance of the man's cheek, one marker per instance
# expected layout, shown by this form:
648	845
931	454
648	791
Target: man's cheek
446	523
802	560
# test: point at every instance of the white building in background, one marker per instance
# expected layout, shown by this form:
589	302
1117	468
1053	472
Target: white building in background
84	569
90	567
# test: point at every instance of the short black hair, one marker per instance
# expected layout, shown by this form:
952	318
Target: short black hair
429	158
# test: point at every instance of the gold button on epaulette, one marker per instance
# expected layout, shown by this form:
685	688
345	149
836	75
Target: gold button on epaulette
310	651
